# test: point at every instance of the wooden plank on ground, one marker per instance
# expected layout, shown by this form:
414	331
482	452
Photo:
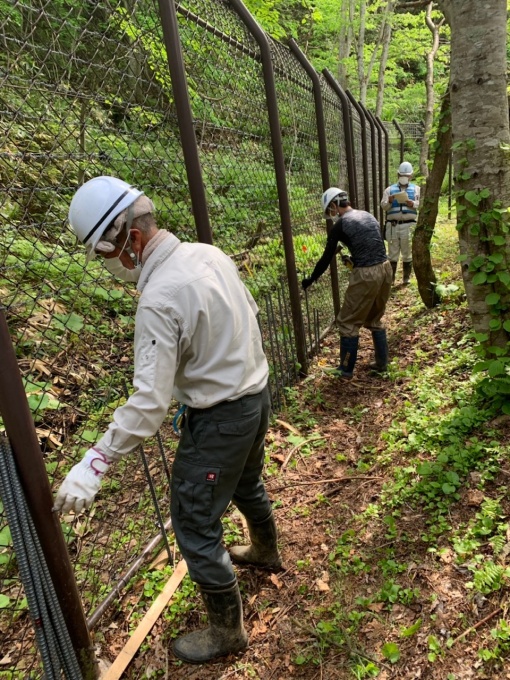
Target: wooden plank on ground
133	644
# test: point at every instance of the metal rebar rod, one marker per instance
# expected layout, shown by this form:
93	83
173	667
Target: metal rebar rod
20	429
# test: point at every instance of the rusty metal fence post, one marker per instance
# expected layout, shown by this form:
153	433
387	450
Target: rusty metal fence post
375	162
321	133
185	119
364	146
283	198
348	134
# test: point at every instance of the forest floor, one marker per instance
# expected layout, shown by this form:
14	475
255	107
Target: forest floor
390	495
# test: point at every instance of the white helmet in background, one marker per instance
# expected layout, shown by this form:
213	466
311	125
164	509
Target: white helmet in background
95	205
405	168
330	195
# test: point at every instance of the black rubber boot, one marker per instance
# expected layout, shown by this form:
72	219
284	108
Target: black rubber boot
380	350
408	270
394	270
348	356
263	550
226	633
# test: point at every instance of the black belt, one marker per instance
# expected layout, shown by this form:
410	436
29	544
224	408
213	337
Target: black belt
401	221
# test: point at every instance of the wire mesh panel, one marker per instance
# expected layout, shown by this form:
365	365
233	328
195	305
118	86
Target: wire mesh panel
84	91
394	140
371	164
356	124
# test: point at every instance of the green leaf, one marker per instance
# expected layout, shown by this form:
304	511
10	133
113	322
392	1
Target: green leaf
506	325
407	632
498	240
495	324
448	488
496	368
492	298
504	277
497	258
479	278
71	322
4	601
391	652
473	197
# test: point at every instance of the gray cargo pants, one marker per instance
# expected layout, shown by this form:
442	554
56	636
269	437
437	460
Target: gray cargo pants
219	459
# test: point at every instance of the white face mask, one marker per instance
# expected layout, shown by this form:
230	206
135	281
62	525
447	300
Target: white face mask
403	181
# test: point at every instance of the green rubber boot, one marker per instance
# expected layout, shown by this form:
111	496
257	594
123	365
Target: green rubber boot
263	549
226	633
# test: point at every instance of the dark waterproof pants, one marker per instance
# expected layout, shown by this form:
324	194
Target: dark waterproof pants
219	459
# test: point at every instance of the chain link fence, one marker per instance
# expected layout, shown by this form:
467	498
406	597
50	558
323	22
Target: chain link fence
85	90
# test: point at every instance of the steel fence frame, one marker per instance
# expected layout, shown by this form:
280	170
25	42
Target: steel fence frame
79	101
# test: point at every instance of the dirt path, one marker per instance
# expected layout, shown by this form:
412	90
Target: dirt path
352	583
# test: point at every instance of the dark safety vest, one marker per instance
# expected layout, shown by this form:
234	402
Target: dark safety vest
397	208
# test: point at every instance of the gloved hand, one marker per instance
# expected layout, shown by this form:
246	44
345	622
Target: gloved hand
79	488
306	283
346	259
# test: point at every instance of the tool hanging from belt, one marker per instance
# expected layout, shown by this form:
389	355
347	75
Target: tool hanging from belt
178	420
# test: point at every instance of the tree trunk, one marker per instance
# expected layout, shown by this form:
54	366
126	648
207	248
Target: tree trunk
429	89
345	40
360	53
386	39
425	275
481	155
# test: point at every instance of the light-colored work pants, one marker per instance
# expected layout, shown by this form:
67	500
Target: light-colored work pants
399	236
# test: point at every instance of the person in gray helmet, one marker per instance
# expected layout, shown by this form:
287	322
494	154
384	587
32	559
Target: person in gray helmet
401	201
369	285
197	340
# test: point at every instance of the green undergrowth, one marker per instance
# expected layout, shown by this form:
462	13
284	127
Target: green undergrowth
442	508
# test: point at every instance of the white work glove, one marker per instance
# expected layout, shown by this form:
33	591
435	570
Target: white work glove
79	488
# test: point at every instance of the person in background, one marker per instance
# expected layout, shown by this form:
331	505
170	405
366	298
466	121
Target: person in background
401	201
369	281
197	340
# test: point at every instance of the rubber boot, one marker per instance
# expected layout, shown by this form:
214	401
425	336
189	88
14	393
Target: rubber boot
408	268
226	633
263	550
394	270
380	350
348	356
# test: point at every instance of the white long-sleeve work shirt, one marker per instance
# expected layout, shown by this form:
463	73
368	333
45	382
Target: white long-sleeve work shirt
197	339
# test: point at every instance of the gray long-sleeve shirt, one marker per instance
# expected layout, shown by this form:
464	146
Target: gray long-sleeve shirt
360	232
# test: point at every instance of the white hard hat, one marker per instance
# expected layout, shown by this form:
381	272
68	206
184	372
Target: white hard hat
330	195
405	168
96	204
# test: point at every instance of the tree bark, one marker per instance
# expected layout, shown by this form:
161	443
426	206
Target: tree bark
481	156
345	40
429	89
427	216
386	39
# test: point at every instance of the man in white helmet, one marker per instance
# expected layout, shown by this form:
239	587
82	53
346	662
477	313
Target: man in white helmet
369	281
197	340
401	201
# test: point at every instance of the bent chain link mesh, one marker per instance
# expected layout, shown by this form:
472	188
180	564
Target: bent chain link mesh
85	91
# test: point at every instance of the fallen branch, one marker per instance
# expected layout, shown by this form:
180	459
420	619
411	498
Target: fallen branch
477	625
296	448
133	644
324	481
289	427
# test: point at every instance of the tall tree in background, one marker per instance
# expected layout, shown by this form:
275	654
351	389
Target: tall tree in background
481	155
429	87
345	40
382	12
386	39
